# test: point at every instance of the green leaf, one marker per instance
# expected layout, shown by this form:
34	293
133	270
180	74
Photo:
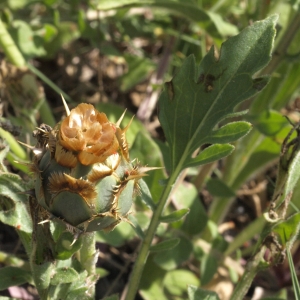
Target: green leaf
180	253
175	216
117	237
14	146
288	230
176	282
186	195
209	266
269	122
218	188
30	43
200	294
64	275
229	132
102	272
13	204
146	195
63	247
165	245
42	274
151	285
197	98
293	171
12	276
79	294
66	33
136	226
210	154
294	275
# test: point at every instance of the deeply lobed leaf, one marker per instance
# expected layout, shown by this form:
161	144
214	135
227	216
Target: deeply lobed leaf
198	98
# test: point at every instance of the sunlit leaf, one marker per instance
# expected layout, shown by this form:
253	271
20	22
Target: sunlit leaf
198	97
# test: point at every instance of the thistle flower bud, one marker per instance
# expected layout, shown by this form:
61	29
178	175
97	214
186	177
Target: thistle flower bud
84	176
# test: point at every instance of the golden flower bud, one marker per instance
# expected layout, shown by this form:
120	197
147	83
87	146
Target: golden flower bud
88	132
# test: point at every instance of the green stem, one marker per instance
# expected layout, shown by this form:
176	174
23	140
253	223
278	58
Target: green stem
253	266
9	47
146	243
88	253
88	257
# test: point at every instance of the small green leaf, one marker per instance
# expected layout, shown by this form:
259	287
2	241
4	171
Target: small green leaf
50	32
64	275
196	293
136	226
176	282
186	195
180	253
42	274
175	216
210	154
269	122
293	172
151	282
229	133
117	237
66	32
146	195
13	144
288	230
63	248
209	266
79	294
218	188
165	245
29	42
294	275
13	204
101	272
11	276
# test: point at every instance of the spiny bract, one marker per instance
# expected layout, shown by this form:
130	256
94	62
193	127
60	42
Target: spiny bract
84	175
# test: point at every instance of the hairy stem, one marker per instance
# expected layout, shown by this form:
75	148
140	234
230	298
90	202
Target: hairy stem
88	253
253	266
146	243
